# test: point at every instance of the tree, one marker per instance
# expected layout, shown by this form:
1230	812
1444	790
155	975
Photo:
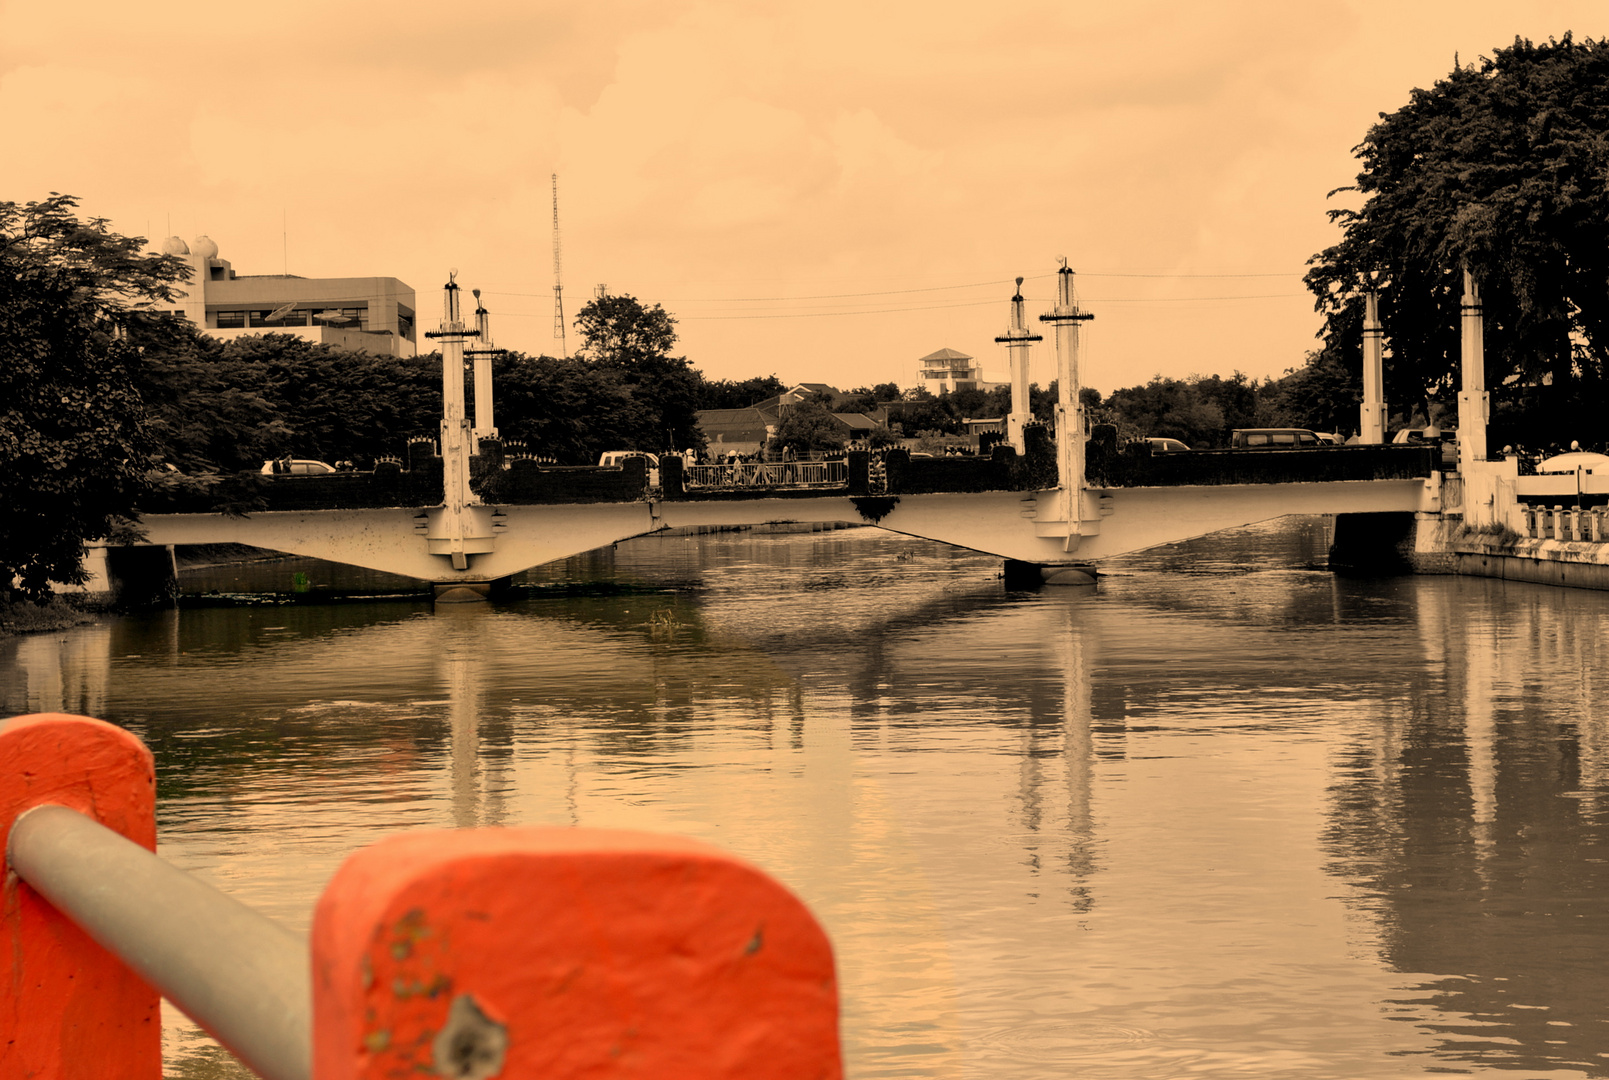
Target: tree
73	451
809	426
1322	395
619	334
620	331
727	394
568	408
1500	167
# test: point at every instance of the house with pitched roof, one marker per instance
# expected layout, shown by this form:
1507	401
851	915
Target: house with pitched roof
746	430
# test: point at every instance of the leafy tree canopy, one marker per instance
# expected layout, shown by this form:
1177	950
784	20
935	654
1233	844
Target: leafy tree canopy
73	452
620	331
731	394
1503	166
809	426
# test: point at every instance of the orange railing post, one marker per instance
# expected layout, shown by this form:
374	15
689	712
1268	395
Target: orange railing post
567	953
74	1010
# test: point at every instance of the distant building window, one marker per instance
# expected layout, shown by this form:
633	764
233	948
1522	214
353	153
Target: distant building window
347	318
231	320
289	318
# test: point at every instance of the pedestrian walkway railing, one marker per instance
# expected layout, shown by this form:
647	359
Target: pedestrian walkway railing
558	953
760	474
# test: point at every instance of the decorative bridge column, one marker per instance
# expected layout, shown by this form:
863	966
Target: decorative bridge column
1474	404
1071	431
1372	412
481	357
1018	340
455	529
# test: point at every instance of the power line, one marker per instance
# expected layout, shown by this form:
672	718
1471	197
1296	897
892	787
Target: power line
1001	282
966	304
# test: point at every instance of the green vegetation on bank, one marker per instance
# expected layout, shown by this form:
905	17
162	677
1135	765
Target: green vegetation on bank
1503	167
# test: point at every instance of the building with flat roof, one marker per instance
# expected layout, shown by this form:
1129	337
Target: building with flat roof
371	314
948	370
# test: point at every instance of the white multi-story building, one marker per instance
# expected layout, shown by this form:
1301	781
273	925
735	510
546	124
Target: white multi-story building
947	371
373	314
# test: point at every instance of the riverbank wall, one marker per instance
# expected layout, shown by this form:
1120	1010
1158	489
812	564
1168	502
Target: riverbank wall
1444	544
1492	522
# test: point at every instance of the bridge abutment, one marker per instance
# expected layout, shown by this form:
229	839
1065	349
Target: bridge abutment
135	577
1373	544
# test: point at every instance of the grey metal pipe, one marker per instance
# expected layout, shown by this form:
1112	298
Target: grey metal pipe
240	975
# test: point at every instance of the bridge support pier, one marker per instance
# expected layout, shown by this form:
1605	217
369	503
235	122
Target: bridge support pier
1026	576
145	576
1378	545
468	592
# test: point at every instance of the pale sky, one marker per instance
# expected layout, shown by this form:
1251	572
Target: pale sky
825	191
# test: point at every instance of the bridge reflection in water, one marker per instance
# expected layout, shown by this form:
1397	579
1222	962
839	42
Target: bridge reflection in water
1225	814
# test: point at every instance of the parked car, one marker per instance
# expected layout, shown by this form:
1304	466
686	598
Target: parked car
1269	438
1165	446
295	467
617	458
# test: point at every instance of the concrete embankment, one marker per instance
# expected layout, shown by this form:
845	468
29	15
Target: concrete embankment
1442	545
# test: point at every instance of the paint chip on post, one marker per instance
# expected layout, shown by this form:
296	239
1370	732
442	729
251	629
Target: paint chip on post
472	1045
567	953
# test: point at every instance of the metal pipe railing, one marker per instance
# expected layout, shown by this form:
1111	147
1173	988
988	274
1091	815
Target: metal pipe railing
510	952
759	474
240	975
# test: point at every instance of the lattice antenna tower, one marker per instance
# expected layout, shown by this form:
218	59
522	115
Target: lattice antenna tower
558	277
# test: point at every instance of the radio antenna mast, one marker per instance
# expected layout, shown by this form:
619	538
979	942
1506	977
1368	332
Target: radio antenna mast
558	278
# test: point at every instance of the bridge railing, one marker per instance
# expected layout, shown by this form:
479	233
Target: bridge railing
761	474
1138	466
476	953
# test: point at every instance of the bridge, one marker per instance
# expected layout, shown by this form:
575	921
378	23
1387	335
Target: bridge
1055	497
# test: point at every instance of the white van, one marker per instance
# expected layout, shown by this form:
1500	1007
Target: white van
617	458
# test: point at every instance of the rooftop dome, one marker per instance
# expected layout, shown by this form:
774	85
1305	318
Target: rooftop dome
204	247
174	246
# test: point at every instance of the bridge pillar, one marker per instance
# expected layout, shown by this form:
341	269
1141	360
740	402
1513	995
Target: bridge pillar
456	528
1070	427
1026	576
1018	341
144	576
1372	545
482	355
1474	404
1372	418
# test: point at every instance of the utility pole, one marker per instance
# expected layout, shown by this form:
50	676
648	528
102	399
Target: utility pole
558	278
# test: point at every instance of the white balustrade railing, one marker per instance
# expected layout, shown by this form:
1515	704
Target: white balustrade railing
1561	523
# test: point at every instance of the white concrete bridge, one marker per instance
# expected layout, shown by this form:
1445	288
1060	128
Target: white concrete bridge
1048	514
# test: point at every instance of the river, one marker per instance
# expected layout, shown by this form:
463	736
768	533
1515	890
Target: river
1224	814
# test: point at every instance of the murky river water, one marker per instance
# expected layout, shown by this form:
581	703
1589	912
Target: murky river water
1222	815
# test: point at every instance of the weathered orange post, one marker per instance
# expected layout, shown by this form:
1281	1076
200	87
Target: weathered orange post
566	953
73	1009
